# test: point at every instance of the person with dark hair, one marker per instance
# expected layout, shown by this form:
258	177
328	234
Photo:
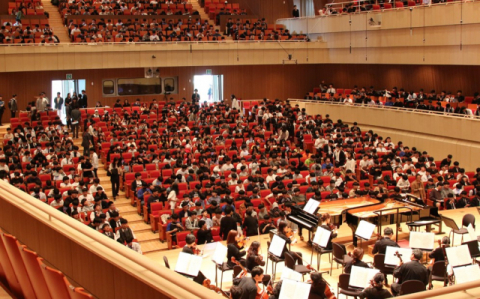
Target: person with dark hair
381	245
250	224
191	246
325	219
376	290
249	284
254	259
174	227
227	223
410	270
124	232
318	287
282	233
133	245
236	292
357	256
204	234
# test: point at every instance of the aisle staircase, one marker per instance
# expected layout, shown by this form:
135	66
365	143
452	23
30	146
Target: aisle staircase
56	22
148	240
204	16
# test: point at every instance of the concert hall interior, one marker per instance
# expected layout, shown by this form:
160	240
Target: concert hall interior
243	149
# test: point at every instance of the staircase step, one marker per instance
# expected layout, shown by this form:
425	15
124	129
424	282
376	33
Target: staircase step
133	218
126	209
146	236
140	226
152	246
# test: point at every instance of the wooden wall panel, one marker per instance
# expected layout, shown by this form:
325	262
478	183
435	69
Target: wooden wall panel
258	81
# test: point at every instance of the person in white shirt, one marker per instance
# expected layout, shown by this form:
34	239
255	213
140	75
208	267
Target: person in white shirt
94	160
93	188
403	183
270	177
134	245
331	89
351	163
67	160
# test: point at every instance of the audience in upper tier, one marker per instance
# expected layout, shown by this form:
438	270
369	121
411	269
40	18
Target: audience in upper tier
445	101
209	159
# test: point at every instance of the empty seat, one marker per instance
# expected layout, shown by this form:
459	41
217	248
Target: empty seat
18	266
55	283
10	275
34	272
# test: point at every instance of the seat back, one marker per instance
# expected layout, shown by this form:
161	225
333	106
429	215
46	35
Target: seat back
468	219
379	263
236	270
18	266
438	269
289	261
55	283
412	286
343	281
338	252
165	260
10	275
34	272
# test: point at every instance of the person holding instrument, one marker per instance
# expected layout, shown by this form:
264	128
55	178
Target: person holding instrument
318	286
249	284
382	243
254	259
357	256
191	248
376	290
282	233
412	270
233	250
326	224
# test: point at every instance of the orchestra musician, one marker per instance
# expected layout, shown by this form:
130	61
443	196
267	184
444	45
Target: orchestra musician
282	233
318	286
357	256
326	224
234	250
412	270
376	290
236	292
438	254
254	259
249	284
382	243
191	248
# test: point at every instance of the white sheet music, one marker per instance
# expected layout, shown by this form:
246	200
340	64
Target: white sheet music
322	236
365	230
392	260
360	277
288	273
294	290
422	240
220	253
311	206
466	273
458	256
277	245
188	264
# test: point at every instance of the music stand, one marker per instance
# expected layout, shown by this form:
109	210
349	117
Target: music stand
364	231
449	222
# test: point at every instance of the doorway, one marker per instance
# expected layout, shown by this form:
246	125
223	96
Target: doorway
210	87
65	87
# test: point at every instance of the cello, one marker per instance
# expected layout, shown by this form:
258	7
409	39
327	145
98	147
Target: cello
208	284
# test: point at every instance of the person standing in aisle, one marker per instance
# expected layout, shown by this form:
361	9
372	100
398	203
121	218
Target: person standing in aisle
13	106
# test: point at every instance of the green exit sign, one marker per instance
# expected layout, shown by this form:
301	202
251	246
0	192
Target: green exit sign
209	71
69	76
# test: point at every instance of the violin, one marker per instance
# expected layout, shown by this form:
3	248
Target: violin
241	241
208	284
288	232
264	294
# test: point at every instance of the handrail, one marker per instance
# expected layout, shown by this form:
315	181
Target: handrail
370	11
154	43
182	289
410	110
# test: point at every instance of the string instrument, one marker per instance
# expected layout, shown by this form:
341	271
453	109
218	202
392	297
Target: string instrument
208	284
288	232
244	270
397	254
328	291
241	241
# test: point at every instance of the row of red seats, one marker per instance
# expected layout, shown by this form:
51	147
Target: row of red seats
27	276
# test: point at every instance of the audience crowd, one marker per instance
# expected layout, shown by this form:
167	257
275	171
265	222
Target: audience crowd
445	101
211	165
